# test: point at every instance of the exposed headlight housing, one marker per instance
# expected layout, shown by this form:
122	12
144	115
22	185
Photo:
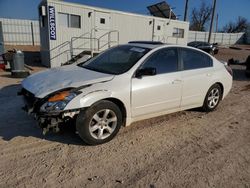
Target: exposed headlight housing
58	101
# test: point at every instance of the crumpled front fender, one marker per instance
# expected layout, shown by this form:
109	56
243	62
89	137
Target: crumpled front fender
86	100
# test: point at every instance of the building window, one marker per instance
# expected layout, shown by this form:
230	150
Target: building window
69	20
158	27
178	33
75	21
102	20
63	19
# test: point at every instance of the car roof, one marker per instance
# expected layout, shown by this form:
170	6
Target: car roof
146	44
153	46
198	42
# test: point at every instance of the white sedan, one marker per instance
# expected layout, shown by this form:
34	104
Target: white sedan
124	84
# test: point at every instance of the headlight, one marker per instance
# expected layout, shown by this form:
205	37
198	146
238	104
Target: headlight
58	101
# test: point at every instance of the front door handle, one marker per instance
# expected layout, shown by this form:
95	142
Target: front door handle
176	81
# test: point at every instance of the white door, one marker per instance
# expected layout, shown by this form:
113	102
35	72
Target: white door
160	92
102	27
158	30
197	77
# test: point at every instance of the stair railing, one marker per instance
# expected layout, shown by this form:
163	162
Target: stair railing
73	39
109	39
91	40
59	47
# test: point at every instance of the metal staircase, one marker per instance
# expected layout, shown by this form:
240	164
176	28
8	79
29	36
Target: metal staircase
84	46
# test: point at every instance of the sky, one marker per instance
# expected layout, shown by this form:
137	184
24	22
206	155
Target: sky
228	10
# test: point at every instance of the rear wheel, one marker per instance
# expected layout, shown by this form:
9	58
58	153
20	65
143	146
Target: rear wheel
213	98
99	123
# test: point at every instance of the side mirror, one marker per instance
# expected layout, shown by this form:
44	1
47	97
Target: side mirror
147	71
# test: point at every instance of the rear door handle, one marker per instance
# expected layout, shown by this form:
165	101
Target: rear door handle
209	74
176	81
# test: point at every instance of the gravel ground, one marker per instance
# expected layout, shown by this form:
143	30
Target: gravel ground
184	149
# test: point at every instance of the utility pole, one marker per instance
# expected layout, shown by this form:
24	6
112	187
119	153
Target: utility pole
212	21
186	10
217	18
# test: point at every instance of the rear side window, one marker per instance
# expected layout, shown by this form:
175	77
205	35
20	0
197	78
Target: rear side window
164	60
195	60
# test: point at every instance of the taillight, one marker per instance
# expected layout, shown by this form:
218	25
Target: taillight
229	70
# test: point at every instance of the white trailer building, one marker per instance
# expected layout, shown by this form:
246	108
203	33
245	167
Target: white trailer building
68	29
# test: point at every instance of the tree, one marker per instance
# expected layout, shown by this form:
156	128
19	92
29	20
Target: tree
239	25
200	17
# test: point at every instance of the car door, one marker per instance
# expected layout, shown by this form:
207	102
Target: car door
196	76
160	92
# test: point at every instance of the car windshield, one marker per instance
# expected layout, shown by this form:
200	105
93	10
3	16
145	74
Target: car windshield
116	60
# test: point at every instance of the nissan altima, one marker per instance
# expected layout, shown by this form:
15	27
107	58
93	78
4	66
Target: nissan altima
124	84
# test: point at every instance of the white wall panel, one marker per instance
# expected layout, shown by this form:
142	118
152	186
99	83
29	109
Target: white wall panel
220	38
18	32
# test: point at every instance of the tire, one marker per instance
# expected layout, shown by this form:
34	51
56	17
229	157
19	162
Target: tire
99	123
213	98
247	72
211	52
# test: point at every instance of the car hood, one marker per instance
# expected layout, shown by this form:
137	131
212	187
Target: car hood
43	83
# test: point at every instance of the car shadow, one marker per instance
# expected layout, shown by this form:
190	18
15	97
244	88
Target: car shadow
14	122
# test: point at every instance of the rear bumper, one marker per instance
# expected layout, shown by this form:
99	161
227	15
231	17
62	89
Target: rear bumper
227	84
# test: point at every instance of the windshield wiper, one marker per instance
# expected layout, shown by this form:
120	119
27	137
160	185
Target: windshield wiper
90	68
97	70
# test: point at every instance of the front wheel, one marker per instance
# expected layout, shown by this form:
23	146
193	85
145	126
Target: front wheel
211	52
212	98
99	123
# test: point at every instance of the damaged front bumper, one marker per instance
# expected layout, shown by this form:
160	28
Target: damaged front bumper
52	121
48	121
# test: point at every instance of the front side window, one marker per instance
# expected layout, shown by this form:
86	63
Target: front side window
116	60
164	60
194	59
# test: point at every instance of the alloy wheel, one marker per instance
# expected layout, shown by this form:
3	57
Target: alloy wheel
103	124
213	98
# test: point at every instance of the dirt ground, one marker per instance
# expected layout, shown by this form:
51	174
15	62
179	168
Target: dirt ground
184	149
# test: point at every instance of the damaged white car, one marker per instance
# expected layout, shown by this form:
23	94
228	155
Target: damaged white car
125	84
